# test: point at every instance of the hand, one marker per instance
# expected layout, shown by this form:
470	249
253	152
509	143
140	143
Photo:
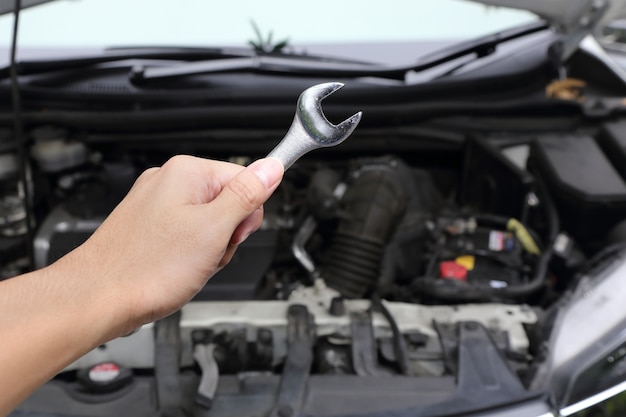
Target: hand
177	227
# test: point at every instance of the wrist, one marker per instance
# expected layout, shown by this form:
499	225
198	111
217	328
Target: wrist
89	294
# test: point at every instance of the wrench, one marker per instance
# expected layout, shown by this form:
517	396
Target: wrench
310	129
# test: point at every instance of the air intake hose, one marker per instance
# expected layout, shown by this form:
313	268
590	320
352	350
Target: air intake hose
369	212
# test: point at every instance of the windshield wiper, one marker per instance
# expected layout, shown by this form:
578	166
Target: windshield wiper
302	65
126	53
188	55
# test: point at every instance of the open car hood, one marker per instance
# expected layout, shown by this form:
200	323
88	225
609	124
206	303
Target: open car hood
7	6
568	15
574	19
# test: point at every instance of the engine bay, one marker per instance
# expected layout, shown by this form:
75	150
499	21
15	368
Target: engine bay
423	266
461	254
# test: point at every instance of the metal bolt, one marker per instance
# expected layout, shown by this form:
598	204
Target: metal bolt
532	200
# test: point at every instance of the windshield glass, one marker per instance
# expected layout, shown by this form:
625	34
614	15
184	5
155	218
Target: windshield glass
105	23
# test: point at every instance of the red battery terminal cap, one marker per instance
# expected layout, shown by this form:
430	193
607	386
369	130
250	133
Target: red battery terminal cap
452	270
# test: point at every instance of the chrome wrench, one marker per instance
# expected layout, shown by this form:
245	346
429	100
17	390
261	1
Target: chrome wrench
310	129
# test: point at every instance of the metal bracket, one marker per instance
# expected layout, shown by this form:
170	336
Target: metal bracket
562	50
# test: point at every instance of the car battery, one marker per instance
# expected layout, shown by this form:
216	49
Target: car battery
587	189
482	256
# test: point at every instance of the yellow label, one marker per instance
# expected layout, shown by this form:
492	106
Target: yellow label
466	261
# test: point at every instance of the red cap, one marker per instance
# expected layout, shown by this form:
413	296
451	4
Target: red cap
452	270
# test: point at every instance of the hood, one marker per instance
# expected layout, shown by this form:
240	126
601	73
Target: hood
568	15
7	6
575	19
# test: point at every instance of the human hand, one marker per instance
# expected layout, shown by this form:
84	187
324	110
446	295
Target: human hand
178	226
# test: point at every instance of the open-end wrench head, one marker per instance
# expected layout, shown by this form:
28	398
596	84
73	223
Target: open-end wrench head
309	112
310	128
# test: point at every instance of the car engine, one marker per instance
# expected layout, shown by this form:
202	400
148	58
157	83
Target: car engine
375	263
365	266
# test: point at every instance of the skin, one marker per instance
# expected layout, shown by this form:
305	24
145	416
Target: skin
178	226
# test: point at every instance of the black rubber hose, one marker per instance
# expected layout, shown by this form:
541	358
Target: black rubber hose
399	345
373	204
443	289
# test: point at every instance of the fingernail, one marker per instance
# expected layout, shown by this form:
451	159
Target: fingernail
268	170
242	238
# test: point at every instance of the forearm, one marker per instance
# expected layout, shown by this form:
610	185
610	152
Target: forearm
49	318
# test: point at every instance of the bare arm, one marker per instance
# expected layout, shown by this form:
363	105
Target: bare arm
178	226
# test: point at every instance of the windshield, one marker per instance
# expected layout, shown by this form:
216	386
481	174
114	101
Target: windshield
106	23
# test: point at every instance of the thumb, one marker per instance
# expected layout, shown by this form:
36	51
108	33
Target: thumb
246	192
